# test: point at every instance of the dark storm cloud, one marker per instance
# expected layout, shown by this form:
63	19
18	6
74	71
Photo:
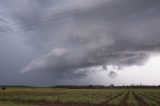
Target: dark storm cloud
114	32
72	36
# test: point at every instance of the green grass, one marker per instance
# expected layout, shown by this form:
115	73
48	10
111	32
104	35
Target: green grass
110	97
131	100
76	96
13	104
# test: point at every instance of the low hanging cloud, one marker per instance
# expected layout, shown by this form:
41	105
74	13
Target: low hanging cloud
69	36
112	74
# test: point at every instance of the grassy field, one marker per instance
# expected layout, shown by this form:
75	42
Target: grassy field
79	97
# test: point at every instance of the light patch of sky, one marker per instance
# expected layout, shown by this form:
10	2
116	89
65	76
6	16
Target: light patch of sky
147	74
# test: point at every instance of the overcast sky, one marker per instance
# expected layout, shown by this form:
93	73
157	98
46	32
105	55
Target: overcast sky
55	42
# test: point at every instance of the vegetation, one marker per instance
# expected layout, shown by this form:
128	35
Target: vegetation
27	96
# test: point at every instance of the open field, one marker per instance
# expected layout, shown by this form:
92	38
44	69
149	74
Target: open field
79	97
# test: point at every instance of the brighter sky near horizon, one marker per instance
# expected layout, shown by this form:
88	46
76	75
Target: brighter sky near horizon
147	74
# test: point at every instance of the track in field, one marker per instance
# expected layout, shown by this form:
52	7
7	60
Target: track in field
151	101
139	100
118	99
123	101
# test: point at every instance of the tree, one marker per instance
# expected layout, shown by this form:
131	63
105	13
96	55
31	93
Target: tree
111	86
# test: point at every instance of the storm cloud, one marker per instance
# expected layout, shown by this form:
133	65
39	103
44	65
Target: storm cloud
71	37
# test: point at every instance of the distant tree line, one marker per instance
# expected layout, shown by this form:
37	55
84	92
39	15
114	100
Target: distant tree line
80	87
88	86
104	87
16	86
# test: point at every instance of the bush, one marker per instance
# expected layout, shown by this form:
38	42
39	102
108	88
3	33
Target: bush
3	88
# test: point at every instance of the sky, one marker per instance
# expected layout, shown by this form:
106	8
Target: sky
79	42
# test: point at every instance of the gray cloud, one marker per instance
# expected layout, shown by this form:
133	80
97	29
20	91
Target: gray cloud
112	74
117	33
69	36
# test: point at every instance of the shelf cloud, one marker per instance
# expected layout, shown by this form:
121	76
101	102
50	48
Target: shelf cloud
73	35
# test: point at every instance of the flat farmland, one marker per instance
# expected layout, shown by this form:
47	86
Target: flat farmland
79	97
